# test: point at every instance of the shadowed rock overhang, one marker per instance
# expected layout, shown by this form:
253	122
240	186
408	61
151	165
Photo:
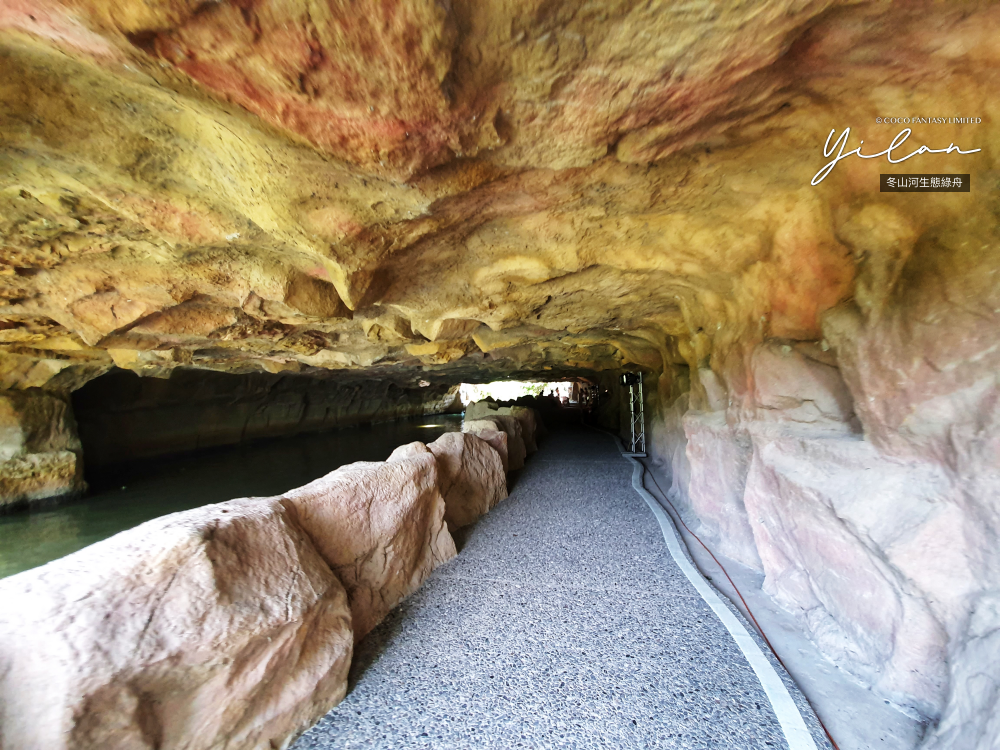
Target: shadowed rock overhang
465	190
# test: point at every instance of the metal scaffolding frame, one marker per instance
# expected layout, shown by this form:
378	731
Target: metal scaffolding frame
637	422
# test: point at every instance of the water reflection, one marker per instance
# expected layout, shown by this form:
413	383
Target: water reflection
126	496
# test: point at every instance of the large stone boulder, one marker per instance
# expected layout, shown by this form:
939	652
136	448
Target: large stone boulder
40	453
471	476
492	434
480	409
529	425
216	627
526	417
516	451
380	526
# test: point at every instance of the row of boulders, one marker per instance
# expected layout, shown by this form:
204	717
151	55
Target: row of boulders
512	430
233	625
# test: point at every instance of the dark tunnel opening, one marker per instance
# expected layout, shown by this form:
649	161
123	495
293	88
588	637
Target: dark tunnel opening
155	446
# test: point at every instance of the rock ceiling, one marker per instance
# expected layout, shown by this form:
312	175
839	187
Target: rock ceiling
464	189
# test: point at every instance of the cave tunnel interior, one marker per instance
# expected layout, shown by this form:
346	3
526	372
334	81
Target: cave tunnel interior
262	264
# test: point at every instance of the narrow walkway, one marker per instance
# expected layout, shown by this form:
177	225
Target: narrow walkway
563	622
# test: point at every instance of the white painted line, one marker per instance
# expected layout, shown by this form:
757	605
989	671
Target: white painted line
792	725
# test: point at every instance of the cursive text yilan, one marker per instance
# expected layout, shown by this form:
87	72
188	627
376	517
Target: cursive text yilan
841	143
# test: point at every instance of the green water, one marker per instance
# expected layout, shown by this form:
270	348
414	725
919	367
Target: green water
126	496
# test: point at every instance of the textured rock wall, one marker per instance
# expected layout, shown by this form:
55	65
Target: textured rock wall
231	625
921	358
40	453
859	472
123	417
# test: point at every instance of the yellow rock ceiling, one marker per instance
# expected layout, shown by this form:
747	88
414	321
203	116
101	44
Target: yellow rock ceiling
467	189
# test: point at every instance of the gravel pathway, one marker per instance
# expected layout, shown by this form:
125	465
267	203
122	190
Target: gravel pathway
563	622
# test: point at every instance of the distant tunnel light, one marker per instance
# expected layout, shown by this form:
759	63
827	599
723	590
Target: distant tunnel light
508	390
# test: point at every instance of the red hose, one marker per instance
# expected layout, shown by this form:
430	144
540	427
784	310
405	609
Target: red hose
745	605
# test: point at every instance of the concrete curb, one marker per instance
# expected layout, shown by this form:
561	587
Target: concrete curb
792	725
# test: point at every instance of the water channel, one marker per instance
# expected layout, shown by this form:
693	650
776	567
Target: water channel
127	495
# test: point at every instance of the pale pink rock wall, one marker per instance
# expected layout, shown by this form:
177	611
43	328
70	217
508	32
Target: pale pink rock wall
866	469
834	524
719	459
923	364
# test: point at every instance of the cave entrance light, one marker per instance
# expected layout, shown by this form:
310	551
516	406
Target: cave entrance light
510	390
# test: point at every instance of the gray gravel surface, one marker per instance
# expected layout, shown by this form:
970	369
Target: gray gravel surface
563	622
